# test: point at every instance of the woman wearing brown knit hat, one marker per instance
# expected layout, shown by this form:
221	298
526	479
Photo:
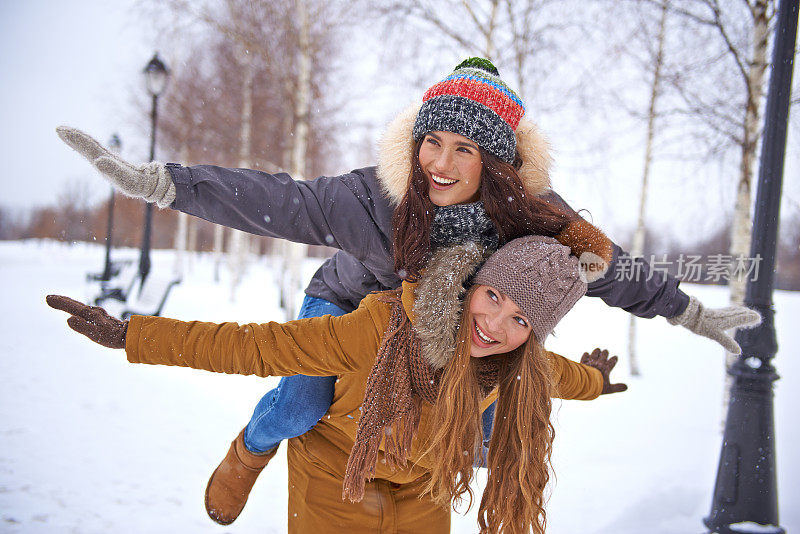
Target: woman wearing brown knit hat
462	165
415	373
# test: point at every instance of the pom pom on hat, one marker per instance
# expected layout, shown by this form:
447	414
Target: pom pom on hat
478	63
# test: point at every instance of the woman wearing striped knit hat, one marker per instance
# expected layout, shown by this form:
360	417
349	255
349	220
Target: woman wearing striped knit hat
464	165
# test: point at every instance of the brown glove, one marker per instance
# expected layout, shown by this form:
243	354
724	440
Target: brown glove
91	321
600	361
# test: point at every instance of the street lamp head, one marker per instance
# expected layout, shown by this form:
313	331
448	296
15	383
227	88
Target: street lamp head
156	74
115	144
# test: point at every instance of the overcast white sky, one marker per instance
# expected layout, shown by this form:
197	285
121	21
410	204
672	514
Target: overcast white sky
75	62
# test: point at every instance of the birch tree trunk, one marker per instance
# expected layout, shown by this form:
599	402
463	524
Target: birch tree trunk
638	237
743	222
742	228
239	244
219	235
191	242
181	243
296	252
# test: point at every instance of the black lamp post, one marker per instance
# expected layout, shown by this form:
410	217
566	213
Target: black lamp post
155	74
115	145
746	489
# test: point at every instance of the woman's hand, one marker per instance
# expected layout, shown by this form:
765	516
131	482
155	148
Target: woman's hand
713	322
151	181
91	321
599	360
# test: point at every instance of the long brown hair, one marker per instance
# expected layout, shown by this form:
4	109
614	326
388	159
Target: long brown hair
522	438
514	212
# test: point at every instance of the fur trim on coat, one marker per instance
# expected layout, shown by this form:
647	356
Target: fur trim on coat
438	300
396	144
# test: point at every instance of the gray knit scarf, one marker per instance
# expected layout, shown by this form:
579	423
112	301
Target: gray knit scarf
463	223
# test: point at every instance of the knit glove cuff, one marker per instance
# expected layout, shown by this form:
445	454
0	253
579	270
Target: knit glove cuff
150	182
712	323
690	316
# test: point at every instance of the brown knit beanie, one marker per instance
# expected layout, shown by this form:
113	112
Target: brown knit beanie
539	275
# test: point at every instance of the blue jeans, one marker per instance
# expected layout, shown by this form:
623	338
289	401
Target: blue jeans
300	401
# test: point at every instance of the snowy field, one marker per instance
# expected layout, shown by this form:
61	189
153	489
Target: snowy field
92	444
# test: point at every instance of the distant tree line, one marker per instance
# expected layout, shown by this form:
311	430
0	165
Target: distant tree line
70	219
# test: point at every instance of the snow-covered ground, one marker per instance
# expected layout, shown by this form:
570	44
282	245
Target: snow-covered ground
92	444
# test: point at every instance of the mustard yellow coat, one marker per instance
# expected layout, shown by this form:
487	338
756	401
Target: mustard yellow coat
344	346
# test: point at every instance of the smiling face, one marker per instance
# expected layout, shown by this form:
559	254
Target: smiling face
452	164
498	325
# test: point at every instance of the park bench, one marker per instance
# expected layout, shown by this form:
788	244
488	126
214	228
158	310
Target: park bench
124	295
148	299
119	287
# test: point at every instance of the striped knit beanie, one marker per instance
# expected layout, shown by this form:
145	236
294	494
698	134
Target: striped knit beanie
539	275
474	102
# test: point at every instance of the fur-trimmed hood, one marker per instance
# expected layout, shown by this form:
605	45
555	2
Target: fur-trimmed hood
396	144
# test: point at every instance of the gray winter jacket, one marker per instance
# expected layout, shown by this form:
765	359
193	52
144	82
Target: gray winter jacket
352	212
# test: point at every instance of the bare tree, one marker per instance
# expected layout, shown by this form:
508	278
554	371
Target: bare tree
73	211
292	281
259	67
530	40
725	92
656	64
732	109
182	232
240	241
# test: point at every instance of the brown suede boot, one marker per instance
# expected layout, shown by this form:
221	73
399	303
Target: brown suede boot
232	480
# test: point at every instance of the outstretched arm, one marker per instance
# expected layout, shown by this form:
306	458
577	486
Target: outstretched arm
645	292
319	346
347	212
642	292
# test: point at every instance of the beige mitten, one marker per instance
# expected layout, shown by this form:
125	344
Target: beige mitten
151	181
712	323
